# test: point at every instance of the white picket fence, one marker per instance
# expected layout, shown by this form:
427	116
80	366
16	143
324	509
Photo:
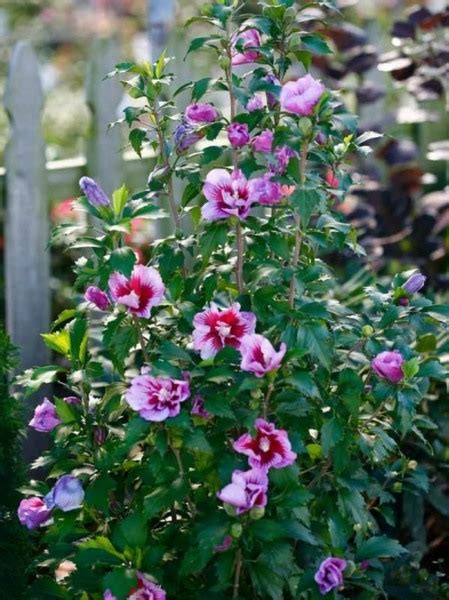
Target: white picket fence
28	182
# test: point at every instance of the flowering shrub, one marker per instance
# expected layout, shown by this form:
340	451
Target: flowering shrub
230	428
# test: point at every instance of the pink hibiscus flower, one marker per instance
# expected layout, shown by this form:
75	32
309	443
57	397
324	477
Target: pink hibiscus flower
157	398
269	448
227	195
143	290
259	356
216	328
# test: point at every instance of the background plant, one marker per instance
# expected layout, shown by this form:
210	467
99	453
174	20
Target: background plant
146	435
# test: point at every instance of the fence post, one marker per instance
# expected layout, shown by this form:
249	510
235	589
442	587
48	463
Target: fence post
160	16
104	149
27	261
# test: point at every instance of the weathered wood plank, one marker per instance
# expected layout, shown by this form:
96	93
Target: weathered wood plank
26	232
160	16
104	149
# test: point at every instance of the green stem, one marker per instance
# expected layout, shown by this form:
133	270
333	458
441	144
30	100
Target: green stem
142	343
237	574
298	236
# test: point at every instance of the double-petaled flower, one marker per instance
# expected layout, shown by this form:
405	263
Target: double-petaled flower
157	398
227	195
270	447
140	292
330	574
216	328
33	512
388	365
247	490
145	590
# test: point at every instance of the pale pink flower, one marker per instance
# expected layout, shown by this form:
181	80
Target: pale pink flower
143	290
259	356
301	96
45	418
263	142
269	448
201	113
216	328
247	490
227	195
157	398
249	40
266	191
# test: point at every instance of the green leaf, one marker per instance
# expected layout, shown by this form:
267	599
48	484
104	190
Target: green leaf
169	350
426	343
265	581
331	433
303	381
132	532
307	201
215	235
433	369
66	412
33	379
411	367
78	339
350	386
120	582
97	493
316	339
122	260
379	547
315	44
58	341
100	543
119	199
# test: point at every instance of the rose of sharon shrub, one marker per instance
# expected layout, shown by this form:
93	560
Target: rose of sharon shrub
239	414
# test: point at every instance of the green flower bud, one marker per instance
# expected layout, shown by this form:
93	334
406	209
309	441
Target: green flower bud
367	331
236	530
230	510
397	486
257	513
350	568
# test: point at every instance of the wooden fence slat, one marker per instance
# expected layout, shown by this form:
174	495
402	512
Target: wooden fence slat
27	270
160	16
104	150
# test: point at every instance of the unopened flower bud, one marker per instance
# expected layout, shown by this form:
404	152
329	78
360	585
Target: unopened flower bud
412	464
256	513
236	530
350	568
397	486
367	331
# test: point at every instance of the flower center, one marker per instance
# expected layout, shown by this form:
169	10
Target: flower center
264	444
223	329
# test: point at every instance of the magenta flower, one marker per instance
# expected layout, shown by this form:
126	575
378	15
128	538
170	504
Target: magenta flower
330	574
93	192
301	96
45	418
259	356
414	283
198	409
157	398
247	490
266	191
32	512
96	296
263	142
238	134
249	40
216	328
227	195
108	595
255	103
388	365
201	113
143	290
269	448
67	494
